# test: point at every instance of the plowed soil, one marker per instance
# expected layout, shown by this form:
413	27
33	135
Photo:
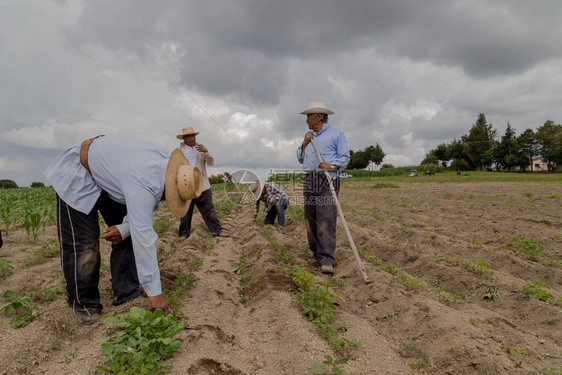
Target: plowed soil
431	250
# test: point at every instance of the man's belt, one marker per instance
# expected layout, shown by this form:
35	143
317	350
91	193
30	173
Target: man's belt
84	147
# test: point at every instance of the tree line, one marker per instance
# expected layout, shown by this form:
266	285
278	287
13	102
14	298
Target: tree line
360	159
482	149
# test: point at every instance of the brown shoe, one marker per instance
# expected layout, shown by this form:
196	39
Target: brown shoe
327	269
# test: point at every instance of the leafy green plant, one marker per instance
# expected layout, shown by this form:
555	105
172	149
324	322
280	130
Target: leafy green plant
535	290
475	244
334	364
142	344
302	279
514	352
479	267
242	265
182	284
410	350
552	371
283	255
526	247
244	280
491	294
50	249
194	265
21	307
474	321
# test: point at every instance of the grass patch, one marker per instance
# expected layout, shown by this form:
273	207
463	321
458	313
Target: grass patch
411	283
297	212
162	225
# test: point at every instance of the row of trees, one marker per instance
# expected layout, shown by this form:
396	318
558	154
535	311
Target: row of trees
10	184
481	148
360	159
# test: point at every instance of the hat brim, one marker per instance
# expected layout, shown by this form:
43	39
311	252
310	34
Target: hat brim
325	111
180	136
177	206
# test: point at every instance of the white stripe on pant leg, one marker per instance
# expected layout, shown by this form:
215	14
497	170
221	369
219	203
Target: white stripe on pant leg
74	247
60	234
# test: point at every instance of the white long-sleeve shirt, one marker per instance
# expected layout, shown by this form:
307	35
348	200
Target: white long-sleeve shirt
132	173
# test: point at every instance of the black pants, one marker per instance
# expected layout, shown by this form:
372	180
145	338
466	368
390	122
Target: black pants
320	216
80	254
205	205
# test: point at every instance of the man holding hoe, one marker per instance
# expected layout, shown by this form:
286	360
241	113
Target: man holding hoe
125	179
320	210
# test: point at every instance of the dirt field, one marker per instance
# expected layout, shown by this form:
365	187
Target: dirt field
432	249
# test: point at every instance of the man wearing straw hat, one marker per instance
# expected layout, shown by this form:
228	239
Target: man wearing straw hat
320	210
125	179
199	156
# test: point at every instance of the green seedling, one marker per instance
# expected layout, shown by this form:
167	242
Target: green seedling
194	265
242	266
21	308
142	344
333	364
491	294
474	321
526	247
536	289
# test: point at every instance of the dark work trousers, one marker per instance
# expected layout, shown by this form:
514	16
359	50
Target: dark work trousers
79	235
320	216
205	205
277	210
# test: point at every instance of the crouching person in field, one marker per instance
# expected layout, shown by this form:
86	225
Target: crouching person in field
275	200
124	179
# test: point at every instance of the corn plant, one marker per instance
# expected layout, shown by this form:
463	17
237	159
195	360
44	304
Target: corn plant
5	269
7	215
32	223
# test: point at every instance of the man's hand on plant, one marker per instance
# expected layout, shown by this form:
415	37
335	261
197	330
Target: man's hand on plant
158	302
112	235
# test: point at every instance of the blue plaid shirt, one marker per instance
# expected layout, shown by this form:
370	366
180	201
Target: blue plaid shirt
272	195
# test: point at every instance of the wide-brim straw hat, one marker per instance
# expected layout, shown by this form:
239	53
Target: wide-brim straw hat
186	131
256	188
317	107
184	182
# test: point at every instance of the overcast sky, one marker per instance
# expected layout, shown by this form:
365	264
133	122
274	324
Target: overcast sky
407	75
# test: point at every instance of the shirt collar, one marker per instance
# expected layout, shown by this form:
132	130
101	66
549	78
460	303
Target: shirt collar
325	126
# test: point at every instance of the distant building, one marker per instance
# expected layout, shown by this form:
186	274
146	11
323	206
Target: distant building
372	167
538	165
